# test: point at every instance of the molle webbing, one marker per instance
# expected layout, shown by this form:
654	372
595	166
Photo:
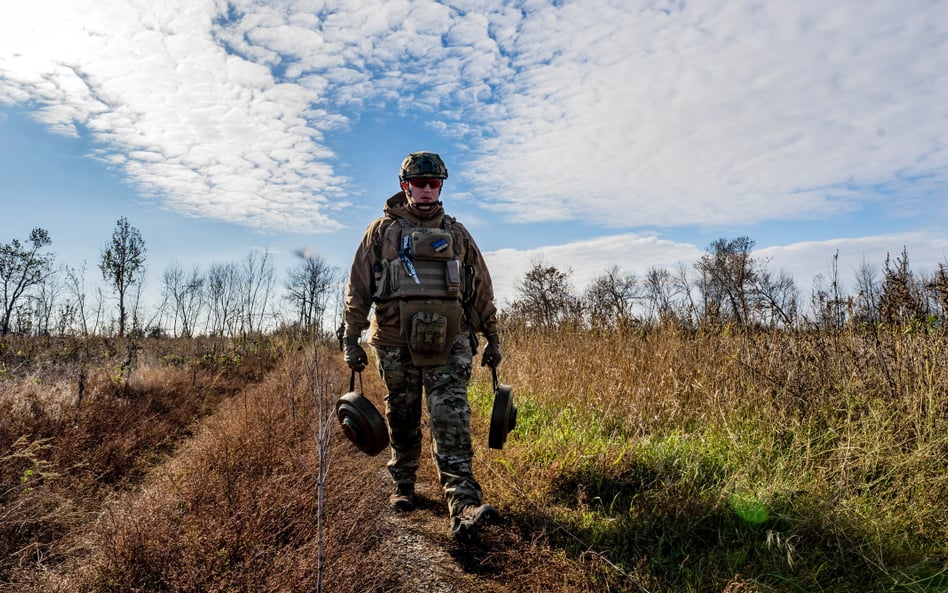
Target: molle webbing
432	255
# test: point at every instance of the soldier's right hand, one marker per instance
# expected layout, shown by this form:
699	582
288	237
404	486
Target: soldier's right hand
356	357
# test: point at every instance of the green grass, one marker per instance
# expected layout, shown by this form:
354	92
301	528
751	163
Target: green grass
834	480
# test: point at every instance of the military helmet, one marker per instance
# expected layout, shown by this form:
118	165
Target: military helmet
422	164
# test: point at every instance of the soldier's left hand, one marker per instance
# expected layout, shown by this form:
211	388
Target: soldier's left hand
492	356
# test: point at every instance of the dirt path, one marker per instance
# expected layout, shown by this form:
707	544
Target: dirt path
380	550
419	548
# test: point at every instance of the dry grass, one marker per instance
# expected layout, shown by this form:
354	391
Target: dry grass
664	461
64	455
812	462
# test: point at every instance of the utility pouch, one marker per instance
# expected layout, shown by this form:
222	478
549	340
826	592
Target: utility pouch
428	332
383	281
452	277
430	327
432	244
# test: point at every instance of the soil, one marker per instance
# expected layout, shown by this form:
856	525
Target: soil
373	548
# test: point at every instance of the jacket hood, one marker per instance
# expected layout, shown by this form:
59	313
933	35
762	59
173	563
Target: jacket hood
398	206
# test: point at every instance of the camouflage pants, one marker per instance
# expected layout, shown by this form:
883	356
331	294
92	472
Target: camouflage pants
445	389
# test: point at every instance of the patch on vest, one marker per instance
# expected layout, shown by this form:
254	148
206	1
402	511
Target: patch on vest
434	244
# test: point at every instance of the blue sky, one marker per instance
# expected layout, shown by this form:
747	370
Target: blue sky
586	133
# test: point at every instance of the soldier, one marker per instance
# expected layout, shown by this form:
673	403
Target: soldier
432	295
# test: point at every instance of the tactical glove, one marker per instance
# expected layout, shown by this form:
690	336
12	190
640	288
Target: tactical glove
356	357
491	357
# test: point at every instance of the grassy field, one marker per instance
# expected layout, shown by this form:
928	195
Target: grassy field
664	461
719	461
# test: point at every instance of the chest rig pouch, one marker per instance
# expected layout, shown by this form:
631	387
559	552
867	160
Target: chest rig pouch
425	277
430	327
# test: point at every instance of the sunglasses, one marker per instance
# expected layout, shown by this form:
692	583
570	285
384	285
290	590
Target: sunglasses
420	182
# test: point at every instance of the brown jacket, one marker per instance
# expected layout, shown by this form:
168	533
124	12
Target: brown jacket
385	325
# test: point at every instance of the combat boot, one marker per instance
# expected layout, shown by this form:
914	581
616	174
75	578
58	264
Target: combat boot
468	518
403	499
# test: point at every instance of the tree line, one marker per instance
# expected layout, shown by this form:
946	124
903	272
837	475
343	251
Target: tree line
228	299
729	285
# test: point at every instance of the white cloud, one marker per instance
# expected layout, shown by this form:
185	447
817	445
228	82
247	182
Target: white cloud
718	112
618	112
211	134
807	260
635	254
587	260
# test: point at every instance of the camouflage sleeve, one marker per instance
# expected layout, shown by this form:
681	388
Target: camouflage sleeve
483	300
359	287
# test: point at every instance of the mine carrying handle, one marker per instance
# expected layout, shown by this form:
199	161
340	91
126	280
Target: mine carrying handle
352	381
493	371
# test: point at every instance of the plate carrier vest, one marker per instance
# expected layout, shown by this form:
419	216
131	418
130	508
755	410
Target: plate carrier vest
427	278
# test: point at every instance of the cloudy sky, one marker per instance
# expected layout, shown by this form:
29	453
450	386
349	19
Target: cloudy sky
583	133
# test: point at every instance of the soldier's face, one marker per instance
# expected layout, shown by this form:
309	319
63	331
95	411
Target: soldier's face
422	192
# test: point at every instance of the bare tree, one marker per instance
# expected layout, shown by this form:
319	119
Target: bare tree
137	290
22	267
727	278
122	260
776	297
46	300
610	297
223	298
309	287
258	280
76	287
98	317
659	294
869	290
683	307
546	297
184	293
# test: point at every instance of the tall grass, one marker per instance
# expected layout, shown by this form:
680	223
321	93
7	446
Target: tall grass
712	459
664	460
228	499
82	420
